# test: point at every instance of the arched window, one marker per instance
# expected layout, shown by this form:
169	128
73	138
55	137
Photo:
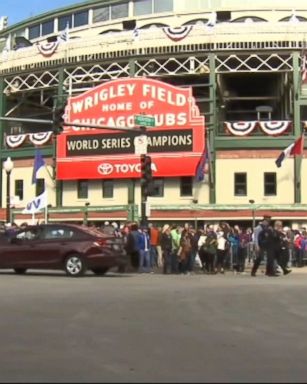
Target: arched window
246	19
109	31
299	18
153	25
196	22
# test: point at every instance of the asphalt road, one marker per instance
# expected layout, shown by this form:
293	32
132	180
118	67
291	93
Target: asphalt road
153	328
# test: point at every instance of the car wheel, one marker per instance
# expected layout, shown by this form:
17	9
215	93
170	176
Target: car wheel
100	271
75	265
20	271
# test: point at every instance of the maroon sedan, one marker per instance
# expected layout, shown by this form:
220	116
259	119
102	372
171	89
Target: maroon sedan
62	246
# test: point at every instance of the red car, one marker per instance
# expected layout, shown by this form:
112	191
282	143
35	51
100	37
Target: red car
69	247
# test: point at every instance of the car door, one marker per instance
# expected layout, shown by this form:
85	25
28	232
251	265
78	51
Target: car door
53	243
20	249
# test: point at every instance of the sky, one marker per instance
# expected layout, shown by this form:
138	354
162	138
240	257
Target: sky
18	10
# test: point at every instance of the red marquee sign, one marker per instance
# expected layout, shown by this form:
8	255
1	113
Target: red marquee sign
175	143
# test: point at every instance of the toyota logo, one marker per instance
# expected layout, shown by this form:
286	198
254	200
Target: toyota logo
105	169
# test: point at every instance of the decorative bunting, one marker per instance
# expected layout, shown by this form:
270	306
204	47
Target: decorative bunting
271	128
47	49
177	33
14	141
241	128
40	138
274	128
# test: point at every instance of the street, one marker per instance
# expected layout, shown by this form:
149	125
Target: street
153	328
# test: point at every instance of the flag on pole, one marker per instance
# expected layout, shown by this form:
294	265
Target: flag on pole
202	165
35	205
64	36
136	33
38	163
294	149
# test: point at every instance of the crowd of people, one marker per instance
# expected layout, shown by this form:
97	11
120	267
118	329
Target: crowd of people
180	249
183	249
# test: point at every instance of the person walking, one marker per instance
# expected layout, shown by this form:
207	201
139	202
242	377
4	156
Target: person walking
259	248
166	246
270	242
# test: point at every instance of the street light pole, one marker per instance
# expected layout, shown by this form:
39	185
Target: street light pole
254	213
8	166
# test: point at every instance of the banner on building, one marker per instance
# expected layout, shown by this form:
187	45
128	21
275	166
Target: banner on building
175	143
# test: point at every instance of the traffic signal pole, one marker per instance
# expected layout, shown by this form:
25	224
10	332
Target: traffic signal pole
146	182
144	219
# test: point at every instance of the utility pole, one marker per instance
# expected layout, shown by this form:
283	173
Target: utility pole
146	186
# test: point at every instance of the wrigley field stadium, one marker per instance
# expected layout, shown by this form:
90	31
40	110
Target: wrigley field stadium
219	85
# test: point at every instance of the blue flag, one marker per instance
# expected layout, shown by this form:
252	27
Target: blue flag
201	167
38	163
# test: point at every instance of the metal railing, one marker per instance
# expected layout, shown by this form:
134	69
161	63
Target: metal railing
224	36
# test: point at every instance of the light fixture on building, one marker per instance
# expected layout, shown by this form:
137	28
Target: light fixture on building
203	69
8	166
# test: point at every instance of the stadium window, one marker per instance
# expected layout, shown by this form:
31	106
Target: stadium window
21	32
80	18
34	32
40	186
158	188
101	14
64	21
82	189
107	189
240	184
186	186
19	189
270	184
163	6
118	11
142	7
48	27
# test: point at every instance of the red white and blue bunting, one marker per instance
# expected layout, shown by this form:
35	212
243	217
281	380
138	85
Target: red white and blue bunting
40	138
274	128
271	128
241	128
177	33
47	49
14	141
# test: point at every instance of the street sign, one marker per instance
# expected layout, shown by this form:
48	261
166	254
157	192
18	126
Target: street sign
140	144
144	121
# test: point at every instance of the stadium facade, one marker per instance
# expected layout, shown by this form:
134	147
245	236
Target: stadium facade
224	75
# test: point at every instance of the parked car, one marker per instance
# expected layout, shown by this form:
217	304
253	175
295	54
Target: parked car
69	247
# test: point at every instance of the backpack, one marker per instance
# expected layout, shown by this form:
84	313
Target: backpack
210	245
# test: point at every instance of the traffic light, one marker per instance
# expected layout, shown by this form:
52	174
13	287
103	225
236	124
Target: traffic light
146	175
58	119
